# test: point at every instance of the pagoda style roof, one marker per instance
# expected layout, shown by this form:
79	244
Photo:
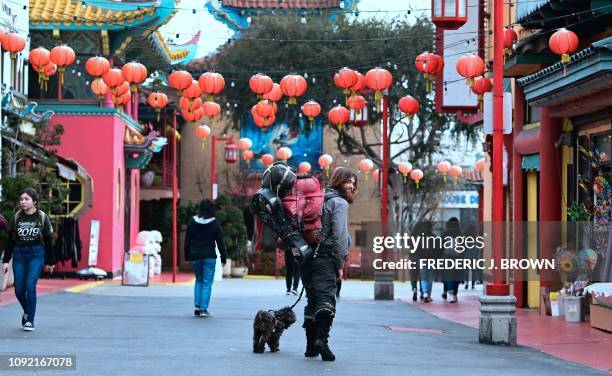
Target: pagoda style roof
129	29
97	14
234	13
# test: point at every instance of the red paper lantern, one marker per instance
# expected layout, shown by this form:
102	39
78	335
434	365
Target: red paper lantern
267	159
275	95
510	36
378	79
261	122
404	168
180	80
311	109
99	88
284	153
245	143
359	84
211	109
443	167
563	42
325	160
48	70
134	73
121	89
113	78
408	105
429	64
190	104
293	86
265	108
357	103
304	168
376	175
417	176
96	66
202	132
13	43
455	171
121	99
449	14
346	79
470	66
339	116
248	155
39	58
365	166
260	84
2	36
479	165
481	85
193	91
211	83
231	152
62	56
157	101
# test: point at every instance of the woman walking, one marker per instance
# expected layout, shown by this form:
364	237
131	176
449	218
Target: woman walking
202	237
320	274
452	277
30	244
425	251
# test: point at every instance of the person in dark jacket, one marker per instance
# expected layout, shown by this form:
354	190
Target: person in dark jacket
30	245
319	274
452	277
202	237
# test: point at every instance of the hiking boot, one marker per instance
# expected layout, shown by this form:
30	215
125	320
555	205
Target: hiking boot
311	335
323	324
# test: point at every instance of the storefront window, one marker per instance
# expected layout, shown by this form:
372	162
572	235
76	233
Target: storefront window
72	200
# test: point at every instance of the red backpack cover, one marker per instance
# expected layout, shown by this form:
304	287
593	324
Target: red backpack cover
304	205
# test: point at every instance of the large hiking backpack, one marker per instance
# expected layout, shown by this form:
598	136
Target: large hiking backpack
304	204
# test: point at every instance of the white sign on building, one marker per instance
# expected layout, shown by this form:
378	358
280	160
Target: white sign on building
460	200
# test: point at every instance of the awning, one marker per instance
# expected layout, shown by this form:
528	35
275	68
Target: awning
531	162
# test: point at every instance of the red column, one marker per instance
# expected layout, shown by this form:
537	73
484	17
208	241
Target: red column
174	202
212	167
384	169
517	192
549	191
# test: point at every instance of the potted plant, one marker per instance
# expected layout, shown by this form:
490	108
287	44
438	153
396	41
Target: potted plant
234	235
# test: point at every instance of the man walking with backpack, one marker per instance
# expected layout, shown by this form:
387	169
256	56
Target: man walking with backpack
319	273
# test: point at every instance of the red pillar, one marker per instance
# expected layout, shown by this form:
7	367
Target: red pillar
517	192
174	202
549	191
385	173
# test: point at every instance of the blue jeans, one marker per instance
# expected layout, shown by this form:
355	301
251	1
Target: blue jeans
204	270
427	277
28	262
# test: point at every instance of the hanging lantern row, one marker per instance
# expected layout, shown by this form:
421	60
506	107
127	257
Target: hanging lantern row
311	109
339	116
479	165
202	132
284	153
293	86
325	161
365	166
430	65
408	105
43	61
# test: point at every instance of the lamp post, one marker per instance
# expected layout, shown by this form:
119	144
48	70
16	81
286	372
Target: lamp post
230	156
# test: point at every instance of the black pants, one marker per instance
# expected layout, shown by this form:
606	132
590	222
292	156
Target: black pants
292	271
319	280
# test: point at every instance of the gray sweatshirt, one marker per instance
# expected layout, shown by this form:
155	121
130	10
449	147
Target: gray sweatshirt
335	225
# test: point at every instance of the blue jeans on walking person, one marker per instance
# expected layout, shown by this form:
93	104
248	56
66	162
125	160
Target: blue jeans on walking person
204	270
427	277
28	262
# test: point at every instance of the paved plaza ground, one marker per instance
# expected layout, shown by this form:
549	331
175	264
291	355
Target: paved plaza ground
116	330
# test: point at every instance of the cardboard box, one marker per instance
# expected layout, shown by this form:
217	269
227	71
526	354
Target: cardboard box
601	317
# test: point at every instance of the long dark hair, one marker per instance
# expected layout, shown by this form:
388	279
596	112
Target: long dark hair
207	209
340	176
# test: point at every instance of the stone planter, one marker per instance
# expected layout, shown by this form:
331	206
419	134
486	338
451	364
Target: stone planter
227	269
239	271
146	179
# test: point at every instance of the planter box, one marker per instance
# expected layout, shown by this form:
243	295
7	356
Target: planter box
601	317
227	269
239	271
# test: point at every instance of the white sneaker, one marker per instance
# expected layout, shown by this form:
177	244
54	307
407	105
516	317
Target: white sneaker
452	298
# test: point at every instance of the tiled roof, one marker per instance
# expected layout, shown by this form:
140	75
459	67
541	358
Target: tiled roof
282	4
69	12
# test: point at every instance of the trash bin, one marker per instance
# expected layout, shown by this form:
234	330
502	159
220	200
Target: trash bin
561	303
573	308
554	304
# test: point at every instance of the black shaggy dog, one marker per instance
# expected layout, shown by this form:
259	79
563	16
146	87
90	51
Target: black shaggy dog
269	326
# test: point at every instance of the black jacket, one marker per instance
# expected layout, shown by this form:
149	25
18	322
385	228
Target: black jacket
200	239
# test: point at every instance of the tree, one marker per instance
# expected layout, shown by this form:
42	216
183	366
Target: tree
277	46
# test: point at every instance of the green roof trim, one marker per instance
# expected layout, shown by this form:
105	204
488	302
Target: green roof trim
82	109
531	162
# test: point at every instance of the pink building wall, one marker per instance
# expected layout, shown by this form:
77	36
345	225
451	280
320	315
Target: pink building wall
104	161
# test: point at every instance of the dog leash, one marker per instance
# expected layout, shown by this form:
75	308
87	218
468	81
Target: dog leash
299	298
